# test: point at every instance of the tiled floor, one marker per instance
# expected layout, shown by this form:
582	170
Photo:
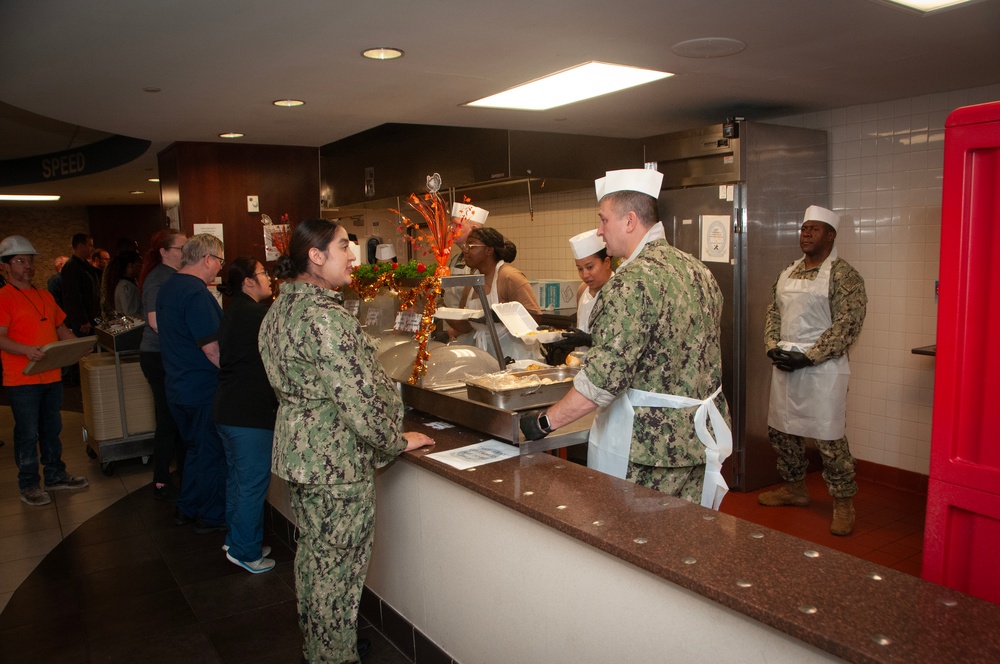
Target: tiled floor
889	527
103	575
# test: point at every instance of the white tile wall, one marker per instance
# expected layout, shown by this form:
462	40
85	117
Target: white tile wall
885	168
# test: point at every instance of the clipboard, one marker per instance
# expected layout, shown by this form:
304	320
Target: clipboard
60	354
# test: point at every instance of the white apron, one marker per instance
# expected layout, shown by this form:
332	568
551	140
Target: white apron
611	437
583	309
810	402
510	346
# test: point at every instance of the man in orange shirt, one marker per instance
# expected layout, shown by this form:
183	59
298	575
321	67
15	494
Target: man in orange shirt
30	319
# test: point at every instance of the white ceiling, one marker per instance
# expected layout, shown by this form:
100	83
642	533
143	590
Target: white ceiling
72	72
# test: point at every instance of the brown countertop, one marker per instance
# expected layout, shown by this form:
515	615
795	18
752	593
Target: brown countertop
855	609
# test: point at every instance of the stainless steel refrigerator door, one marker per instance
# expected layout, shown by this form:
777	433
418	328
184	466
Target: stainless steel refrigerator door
683	213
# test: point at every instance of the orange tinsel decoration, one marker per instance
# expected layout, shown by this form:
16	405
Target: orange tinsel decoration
440	232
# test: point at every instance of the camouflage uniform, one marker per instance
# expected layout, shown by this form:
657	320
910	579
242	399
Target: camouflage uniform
848	305
339	418
655	328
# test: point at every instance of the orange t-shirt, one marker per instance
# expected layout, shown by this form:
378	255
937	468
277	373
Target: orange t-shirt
21	312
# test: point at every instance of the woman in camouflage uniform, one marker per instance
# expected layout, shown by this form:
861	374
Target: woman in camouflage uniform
339	418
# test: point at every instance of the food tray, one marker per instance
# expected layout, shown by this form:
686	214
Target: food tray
521	398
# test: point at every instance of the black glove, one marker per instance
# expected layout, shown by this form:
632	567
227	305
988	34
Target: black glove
577	337
556	353
530	427
775	354
793	360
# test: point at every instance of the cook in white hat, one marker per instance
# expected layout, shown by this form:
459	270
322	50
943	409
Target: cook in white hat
817	213
385	253
628	210
664	304
594	267
466	218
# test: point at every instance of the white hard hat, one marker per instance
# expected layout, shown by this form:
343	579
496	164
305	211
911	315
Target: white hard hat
16	245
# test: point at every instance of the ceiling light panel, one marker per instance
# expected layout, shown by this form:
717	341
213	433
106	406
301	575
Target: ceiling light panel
928	6
591	79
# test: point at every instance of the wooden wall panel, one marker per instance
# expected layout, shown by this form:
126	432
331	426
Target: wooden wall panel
108	223
212	182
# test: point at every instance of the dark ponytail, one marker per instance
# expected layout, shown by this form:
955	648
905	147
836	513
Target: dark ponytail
503	249
240	269
308	234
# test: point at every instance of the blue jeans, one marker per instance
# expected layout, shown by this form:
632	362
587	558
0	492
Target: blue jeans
37	425
203	489
248	453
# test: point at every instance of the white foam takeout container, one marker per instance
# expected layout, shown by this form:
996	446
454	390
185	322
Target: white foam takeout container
454	313
519	322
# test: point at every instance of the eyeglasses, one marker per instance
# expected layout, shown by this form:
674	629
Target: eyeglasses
257	274
27	260
467	246
180	248
222	261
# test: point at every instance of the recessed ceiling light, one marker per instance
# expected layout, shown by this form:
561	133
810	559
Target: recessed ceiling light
925	7
708	47
288	103
231	134
585	81
28	197
382	53
136	192
152	179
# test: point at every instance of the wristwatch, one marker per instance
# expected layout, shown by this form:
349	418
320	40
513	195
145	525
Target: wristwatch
543	423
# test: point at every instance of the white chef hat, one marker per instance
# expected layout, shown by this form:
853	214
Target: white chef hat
469	212
384	252
643	180
586	244
817	213
356	250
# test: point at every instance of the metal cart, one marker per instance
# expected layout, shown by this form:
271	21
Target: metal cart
121	340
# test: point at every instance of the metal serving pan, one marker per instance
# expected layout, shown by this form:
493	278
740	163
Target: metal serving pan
521	398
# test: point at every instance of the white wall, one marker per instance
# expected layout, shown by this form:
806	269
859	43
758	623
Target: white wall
885	167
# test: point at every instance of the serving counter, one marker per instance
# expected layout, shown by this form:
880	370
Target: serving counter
537	559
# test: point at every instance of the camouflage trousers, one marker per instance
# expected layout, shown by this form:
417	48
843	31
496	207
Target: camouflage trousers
685	482
838	462
336	528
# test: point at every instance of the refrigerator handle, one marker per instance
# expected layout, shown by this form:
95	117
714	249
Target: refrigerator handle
740	211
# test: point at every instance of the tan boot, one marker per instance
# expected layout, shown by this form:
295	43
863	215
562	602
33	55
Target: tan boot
843	516
793	493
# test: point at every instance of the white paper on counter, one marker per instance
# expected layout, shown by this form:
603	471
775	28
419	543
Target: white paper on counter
479	454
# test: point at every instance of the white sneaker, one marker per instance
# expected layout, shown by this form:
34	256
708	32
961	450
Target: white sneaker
256	567
264	550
